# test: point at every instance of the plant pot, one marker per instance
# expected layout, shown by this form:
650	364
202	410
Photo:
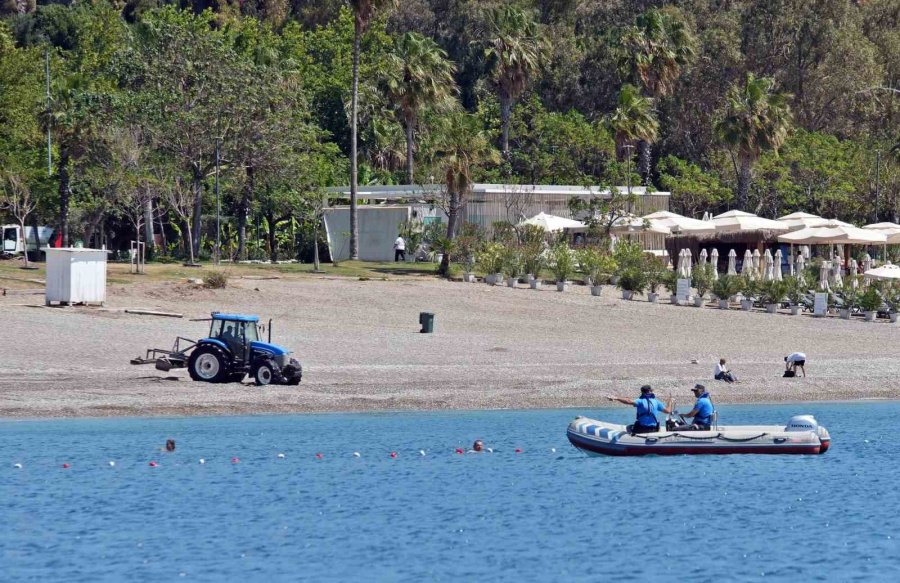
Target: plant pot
588	281
845	314
469	277
698	301
723	304
653	298
489	279
529	278
512	281
894	317
562	286
870	316
746	305
614	279
771	308
535	284
795	310
596	289
627	295
674	299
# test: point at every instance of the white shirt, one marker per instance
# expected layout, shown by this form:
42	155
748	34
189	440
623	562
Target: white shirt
400	244
720	368
796	356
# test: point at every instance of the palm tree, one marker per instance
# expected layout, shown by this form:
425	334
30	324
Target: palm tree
634	121
363	13
463	146
513	48
419	75
654	50
756	119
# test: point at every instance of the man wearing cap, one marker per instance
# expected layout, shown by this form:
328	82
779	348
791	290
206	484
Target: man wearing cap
647	405
702	412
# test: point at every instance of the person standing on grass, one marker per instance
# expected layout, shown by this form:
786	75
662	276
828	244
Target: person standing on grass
399	249
647	405
793	361
723	374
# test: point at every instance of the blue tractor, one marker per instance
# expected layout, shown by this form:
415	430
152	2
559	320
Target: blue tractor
230	352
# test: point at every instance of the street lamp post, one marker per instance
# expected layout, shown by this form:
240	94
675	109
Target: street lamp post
218	206
628	148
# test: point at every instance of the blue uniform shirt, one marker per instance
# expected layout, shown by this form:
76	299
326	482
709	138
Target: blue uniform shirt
646	411
704	408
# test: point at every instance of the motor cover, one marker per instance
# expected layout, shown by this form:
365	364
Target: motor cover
802	423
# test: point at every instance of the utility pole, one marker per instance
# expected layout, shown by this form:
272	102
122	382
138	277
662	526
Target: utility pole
49	119
218	206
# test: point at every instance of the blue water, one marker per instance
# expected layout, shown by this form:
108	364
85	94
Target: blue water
537	515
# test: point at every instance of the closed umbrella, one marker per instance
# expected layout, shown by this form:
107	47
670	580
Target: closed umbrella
836	271
757	263
824	270
732	268
689	262
778	259
682	272
851	270
714	261
790	261
702	259
867	262
747	267
800	264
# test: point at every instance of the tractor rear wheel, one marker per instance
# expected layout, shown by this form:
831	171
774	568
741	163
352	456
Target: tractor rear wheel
208	364
266	372
292	373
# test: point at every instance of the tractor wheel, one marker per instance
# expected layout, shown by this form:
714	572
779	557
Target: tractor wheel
292	373
266	372
208	364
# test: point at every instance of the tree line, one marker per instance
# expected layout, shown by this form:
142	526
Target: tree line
156	112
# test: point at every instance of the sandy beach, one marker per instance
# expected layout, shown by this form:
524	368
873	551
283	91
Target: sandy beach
361	349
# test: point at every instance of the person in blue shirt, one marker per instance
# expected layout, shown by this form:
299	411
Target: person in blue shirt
702	413
647	405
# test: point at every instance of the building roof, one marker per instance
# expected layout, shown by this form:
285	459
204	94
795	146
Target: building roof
391	191
235	317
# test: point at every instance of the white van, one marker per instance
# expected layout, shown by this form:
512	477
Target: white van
15	242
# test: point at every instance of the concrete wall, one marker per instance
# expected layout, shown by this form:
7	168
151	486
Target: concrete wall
378	229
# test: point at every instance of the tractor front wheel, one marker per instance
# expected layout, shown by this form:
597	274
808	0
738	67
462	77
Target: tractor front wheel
266	372
208	364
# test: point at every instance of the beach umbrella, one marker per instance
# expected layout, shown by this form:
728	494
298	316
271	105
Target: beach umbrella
833	234
552	223
627	225
867	262
742	222
690	262
757	263
680	268
680	224
836	271
886	228
702	259
714	261
887	271
851	270
824	270
778	276
800	264
732	268
790	261
747	267
769	269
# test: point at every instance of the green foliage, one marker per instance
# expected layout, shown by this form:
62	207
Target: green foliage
597	264
796	290
469	242
632	279
656	272
562	262
490	258
774	292
871	301
726	286
412	231
215	280
628	255
702	278
512	260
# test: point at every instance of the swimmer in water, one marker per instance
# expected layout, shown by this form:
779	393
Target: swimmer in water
170	445
478	447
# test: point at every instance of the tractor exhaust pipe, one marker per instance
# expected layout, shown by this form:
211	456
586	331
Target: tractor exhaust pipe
270	330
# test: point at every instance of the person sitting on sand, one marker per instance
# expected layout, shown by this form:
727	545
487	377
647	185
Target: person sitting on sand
722	373
793	361
702	412
647	405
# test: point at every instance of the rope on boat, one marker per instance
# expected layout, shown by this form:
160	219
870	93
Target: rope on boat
655	438
744	439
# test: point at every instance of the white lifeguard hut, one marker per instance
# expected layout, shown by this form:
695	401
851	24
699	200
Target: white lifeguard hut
76	275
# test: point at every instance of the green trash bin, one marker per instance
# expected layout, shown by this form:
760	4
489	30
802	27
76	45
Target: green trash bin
426	319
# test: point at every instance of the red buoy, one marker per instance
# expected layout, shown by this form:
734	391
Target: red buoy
518	450
459	450
153	464
393	454
235	460
318	456
65	466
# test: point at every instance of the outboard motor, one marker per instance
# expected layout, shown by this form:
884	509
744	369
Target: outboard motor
803	423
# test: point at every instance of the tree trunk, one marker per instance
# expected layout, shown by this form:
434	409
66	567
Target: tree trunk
410	141
316	265
354	170
505	107
65	196
743	183
243	211
164	243
452	217
149	240
197	218
189	241
644	161
25	239
273	244
37	238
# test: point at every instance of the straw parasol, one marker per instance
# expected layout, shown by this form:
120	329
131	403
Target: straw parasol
714	261
552	223
732	268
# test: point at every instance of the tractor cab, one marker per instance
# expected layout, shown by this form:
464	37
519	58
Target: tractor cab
236	332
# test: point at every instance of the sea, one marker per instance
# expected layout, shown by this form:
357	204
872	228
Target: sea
387	497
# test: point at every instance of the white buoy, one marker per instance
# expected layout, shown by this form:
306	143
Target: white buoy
421	452
202	461
18	466
356	454
112	464
281	456
489	449
553	450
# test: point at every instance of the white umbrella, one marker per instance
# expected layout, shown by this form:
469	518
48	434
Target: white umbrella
790	261
732	269
680	268
836	271
867	262
769	269
741	222
757	264
886	271
800	264
886	228
638	225
796	221
552	223
824	270
714	261
778	276
702	259
680	224
851	270
805	250
747	267
833	234
689	262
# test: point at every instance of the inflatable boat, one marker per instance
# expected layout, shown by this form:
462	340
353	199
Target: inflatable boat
802	435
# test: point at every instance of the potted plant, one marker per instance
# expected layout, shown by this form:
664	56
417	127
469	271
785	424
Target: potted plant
597	266
795	292
512	264
413	233
772	294
632	281
702	279
533	260
562	264
850	297
724	288
749	288
871	302
669	280
892	299
469	242
656	272
490	260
